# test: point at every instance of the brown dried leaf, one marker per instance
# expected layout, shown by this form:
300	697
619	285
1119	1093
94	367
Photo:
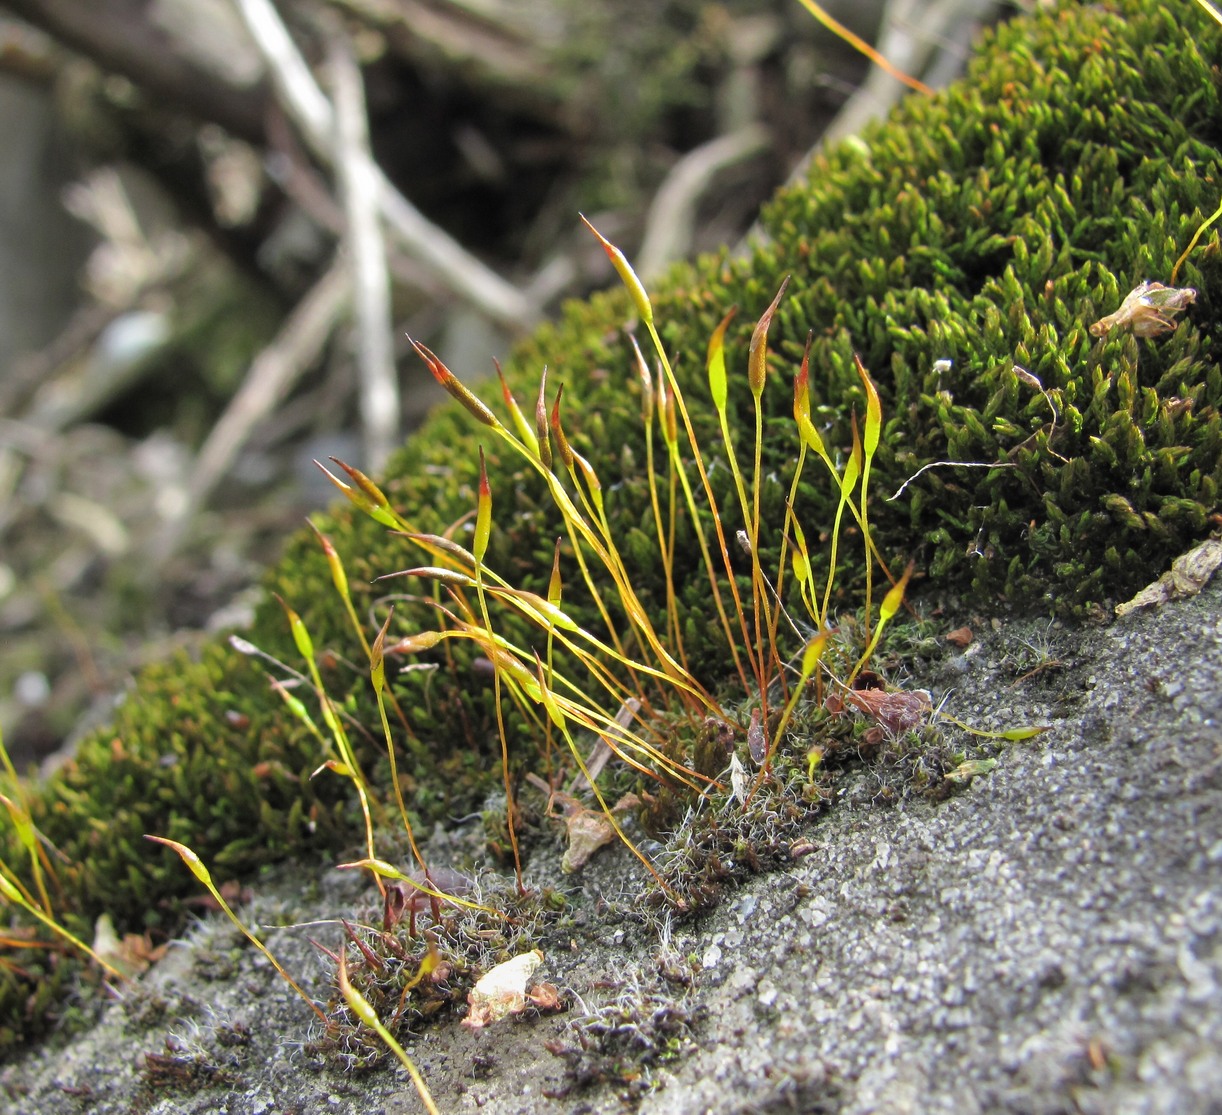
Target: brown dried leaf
546	997
132	955
587	831
971	768
757	742
895	712
1189	573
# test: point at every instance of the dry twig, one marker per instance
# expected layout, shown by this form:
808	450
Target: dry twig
379	387
272	374
420	238
671	223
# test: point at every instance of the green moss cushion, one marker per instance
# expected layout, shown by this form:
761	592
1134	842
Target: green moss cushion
963	248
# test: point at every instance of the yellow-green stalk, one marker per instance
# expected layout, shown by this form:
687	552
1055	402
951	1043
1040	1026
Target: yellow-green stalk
811	657
715	364
848	481
479	546
870	439
557	716
359	1006
757	377
347	757
14	893
204	876
18	808
377	674
886	612
666	534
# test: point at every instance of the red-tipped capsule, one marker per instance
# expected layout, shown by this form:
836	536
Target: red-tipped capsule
757	355
451	383
627	276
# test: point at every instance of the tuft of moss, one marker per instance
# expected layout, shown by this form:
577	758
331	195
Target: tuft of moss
961	247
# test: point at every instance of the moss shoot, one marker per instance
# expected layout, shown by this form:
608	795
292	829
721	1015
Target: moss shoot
963	249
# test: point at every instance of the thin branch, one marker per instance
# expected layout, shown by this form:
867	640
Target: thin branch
671	223
292	81
271	375
309	108
379	387
121	38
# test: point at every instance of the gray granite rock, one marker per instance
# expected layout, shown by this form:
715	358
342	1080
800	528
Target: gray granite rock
1049	940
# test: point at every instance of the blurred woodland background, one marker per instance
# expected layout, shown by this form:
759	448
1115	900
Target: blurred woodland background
219	219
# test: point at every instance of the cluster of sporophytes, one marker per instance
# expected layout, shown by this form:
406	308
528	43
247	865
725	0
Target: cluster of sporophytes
963	249
621	691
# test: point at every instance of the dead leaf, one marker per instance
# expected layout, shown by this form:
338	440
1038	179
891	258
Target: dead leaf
545	997
588	830
894	711
132	955
757	743
1189	573
738	780
1148	309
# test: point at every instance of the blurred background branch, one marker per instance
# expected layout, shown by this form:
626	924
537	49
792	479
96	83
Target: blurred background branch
218	219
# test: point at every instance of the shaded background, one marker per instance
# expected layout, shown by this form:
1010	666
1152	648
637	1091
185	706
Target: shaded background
219	219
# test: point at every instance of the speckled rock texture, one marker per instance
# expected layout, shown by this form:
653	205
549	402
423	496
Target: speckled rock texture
1048	941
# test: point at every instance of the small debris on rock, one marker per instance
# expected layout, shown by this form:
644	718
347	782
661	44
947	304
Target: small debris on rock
960	637
1148	309
1189	573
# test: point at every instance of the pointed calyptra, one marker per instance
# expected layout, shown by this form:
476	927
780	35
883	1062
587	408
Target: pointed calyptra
757	354
716	362
895	596
562	443
359	496
515	412
801	405
627	276
301	637
543	440
670	422
377	655
451	383
414	644
338	577
642	368
554	586
874	410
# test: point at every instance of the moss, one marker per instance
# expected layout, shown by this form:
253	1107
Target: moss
986	227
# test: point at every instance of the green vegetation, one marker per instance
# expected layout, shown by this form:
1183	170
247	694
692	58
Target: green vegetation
963	249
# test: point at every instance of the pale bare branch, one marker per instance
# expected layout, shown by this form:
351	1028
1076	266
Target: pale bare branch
419	237
379	387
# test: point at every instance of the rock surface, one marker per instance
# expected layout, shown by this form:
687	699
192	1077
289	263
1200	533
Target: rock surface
1048	940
